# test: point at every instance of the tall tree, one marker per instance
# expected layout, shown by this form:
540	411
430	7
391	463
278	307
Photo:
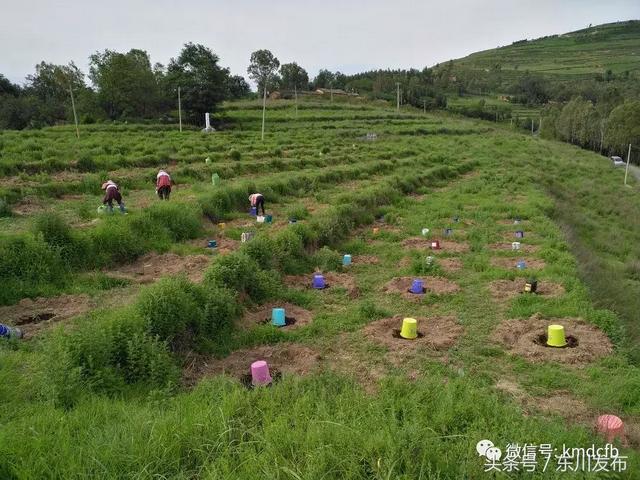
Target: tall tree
126	83
238	87
294	76
623	128
50	84
324	79
203	83
262	68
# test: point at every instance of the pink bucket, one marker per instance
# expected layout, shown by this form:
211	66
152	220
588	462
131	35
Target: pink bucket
260	373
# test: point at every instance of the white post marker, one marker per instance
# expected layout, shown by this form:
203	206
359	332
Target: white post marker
264	107
179	109
73	106
626	171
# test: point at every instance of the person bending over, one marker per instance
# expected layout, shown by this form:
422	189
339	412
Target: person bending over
112	192
163	185
257	200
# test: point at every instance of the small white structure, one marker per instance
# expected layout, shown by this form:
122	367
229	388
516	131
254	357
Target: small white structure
207	121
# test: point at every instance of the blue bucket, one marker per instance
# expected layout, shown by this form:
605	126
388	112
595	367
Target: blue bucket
521	265
212	244
253	211
346	260
417	287
318	281
10	332
278	318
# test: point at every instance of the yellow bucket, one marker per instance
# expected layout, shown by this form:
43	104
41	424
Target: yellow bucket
409	329
555	336
222	225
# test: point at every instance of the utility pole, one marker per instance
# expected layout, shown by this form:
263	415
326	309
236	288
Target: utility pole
179	109
295	93
540	126
331	91
626	171
398	96
73	107
532	126
264	106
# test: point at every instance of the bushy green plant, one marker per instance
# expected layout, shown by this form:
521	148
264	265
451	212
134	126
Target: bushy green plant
86	164
75	250
182	221
234	154
5	208
220	310
114	241
326	259
172	309
239	272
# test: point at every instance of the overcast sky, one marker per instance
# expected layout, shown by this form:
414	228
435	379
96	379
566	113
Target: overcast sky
346	35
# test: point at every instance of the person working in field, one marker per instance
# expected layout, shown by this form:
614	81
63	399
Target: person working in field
257	201
112	192
163	185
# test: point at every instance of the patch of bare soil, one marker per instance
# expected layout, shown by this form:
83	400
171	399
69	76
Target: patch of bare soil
507	246
332	280
153	266
296	316
508	263
450	264
287	358
225	245
559	403
523	337
434	333
32	316
365	260
29	205
445	245
507	289
436	285
511	223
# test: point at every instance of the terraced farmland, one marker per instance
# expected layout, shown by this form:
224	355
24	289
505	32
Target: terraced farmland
139	338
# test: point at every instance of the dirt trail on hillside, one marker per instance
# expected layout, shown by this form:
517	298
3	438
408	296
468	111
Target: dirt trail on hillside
153	266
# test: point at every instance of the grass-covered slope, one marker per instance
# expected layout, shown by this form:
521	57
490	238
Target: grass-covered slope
594	50
135	388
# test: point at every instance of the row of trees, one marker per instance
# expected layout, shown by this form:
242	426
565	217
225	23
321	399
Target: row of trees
123	86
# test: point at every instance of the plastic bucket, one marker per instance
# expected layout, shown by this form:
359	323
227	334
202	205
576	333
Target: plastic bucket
253	211
278	317
416	286
515	245
521	265
531	286
555	336
318	281
611	427
10	332
425	232
260	219
260	373
409	329
212	244
215	179
519	234
268	218
346	260
448	232
435	245
293	220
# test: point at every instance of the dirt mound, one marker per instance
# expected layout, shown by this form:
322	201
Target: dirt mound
506	289
29	205
365	260
287	358
332	279
153	266
449	264
32	316
296	316
507	246
522	337
445	245
436	285
510	263
225	245
435	333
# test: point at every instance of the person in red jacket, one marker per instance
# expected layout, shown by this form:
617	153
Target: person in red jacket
112	192
163	185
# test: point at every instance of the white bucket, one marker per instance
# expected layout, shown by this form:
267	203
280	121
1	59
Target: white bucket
425	232
515	245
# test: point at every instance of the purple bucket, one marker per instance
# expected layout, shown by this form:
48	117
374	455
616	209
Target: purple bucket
318	281
417	287
10	332
260	373
519	234
253	211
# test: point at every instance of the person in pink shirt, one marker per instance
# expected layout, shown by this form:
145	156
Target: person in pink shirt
257	200
112	192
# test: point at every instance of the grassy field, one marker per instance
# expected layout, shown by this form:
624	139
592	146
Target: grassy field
614	46
140	338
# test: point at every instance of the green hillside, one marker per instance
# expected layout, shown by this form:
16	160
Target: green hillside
613	46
